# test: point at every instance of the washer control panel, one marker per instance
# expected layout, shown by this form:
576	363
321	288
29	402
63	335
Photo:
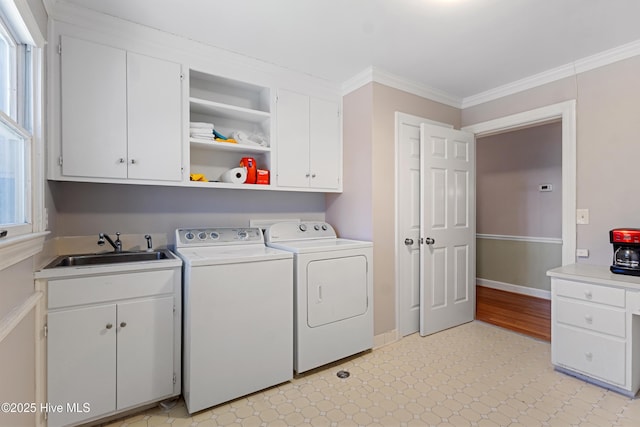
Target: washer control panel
217	236
283	231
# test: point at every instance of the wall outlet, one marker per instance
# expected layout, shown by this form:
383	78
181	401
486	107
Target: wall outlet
582	216
582	253
545	187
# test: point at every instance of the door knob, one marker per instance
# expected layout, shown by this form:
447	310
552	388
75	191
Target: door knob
408	241
429	241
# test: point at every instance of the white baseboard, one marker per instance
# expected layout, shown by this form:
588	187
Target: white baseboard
385	338
518	289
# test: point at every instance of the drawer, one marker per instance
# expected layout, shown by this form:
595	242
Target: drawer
594	355
595	317
95	289
589	292
633	302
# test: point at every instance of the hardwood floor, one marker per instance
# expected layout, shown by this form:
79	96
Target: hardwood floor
521	313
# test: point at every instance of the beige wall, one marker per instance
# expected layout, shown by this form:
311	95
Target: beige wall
509	168
607	111
369	140
17	350
82	209
516	262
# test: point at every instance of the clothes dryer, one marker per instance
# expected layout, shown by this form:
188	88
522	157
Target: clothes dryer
333	287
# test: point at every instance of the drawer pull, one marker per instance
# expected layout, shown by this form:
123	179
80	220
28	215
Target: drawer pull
588	355
588	318
588	295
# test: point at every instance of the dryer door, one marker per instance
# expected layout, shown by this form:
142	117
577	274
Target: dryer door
336	289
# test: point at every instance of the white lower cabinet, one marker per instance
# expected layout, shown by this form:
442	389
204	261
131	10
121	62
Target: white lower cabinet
111	349
595	327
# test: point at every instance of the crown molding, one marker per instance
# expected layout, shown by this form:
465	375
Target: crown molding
588	63
373	74
592	62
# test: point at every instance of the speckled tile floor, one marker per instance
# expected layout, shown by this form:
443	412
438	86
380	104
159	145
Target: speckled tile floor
472	375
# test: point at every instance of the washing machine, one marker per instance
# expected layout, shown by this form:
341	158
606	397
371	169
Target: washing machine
237	315
333	287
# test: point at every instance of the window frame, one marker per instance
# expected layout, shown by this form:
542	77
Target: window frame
27	108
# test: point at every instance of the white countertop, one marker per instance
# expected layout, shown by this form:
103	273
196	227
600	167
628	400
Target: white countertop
595	274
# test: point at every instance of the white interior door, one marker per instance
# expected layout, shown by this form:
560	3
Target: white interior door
408	214
447	229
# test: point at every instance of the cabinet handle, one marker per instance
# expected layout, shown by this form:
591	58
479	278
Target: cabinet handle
588	294
109	326
313	175
123	324
307	175
588	318
133	161
121	160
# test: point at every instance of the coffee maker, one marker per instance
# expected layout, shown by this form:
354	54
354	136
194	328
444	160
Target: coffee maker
626	251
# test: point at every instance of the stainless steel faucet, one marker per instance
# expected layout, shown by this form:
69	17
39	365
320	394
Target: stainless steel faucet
117	245
149	244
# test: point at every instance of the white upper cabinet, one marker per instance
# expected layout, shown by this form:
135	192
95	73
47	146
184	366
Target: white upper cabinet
154	99
309	144
121	114
94	110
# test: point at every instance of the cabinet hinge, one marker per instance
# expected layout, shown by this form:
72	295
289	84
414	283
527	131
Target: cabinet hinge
174	378
181	76
60	160
60	49
174	309
46	330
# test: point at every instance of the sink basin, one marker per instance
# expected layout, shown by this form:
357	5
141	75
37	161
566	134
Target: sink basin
108	258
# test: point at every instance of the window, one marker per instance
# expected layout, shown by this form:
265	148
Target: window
22	222
16	129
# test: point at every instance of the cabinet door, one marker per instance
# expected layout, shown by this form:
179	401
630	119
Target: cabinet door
145	351
154	105
81	362
293	139
324	145
94	109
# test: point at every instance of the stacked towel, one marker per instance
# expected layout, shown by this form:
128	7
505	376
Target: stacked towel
201	130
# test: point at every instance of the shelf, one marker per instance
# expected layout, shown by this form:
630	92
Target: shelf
203	106
226	146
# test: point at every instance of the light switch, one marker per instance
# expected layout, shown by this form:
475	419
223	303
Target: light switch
582	216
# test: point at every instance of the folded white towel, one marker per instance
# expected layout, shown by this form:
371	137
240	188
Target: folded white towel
201	131
201	125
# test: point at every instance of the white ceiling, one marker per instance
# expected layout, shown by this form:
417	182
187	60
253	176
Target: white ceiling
460	47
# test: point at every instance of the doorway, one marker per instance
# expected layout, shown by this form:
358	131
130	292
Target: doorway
407	264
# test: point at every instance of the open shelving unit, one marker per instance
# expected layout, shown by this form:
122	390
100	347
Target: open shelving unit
231	106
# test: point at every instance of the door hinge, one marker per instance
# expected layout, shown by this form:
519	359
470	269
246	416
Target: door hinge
174	309
59	48
60	160
174	378
46	330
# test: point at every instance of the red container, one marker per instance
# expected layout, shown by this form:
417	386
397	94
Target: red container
263	177
250	164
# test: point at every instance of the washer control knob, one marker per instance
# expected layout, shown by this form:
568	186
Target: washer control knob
324	227
202	235
189	235
303	227
243	235
316	227
214	235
